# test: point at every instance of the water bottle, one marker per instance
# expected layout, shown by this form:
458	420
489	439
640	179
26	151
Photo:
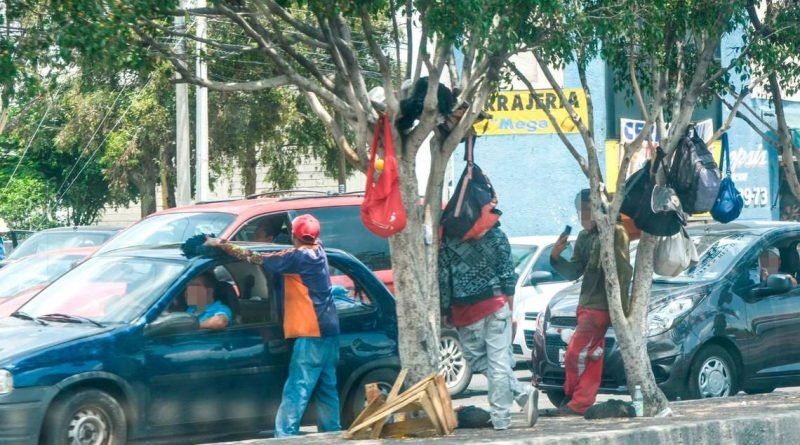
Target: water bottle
638	401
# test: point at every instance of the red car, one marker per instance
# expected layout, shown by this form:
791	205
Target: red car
21	280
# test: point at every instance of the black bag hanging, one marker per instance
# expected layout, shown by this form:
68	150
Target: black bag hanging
694	174
472	210
637	202
729	202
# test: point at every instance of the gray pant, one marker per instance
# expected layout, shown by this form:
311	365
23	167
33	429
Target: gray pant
487	347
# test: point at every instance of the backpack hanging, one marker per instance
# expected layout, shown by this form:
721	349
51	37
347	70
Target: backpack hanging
694	175
382	211
637	203
729	202
472	210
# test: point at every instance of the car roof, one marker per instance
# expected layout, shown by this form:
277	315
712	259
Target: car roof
173	251
756	227
84	229
247	208
76	251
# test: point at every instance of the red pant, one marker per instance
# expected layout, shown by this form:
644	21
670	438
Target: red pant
584	373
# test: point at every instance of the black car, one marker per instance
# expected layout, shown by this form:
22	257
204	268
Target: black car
103	355
729	323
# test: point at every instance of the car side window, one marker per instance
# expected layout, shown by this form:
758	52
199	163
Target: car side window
349	295
274	228
256	301
342	229
543	263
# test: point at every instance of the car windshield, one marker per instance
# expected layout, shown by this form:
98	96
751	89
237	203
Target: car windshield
109	289
520	255
33	271
170	228
717	253
47	241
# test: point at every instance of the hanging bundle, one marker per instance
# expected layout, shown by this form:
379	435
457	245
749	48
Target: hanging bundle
382	211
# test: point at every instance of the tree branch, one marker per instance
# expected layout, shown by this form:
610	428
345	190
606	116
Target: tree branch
392	104
357	157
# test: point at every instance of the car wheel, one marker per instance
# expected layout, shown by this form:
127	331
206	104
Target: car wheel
88	417
357	400
754	391
453	365
556	397
713	374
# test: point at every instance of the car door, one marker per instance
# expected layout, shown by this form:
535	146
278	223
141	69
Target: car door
206	377
771	349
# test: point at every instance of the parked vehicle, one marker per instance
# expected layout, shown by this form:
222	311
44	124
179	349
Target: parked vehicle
102	355
23	279
60	238
536	285
715	329
241	220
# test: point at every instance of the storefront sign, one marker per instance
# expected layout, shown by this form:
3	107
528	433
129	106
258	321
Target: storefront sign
517	112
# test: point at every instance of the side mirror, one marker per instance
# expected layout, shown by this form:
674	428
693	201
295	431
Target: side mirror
172	323
539	276
776	284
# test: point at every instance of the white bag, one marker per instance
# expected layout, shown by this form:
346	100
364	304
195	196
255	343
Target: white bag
674	254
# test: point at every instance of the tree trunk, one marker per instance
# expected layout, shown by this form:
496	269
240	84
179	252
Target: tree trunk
164	174
638	370
146	183
249	171
784	137
414	262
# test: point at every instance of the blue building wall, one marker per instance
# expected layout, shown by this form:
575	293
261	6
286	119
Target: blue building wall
536	178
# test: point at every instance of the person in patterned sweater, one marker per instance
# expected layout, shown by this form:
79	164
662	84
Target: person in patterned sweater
476	287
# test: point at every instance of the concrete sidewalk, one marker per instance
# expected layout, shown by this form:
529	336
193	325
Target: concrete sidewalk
747	420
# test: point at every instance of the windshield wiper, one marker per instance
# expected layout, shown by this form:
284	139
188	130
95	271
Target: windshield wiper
71	318
26	316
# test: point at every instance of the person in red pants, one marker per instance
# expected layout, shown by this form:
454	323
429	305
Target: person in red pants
583	362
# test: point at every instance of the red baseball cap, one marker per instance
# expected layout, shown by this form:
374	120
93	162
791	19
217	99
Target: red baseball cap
305	228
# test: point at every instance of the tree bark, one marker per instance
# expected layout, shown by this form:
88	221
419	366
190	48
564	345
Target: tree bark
417	290
784	136
249	171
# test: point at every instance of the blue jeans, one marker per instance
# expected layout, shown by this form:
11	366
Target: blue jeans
313	360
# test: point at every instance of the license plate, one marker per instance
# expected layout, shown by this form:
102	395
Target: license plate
562	353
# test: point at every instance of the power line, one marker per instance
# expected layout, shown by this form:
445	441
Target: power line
96	130
100	145
30	142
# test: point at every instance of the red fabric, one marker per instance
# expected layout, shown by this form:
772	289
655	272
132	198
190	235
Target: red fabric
584	374
382	211
465	315
487	220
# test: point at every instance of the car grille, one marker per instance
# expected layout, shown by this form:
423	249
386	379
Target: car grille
553	343
518	349
531	315
529	338
564	322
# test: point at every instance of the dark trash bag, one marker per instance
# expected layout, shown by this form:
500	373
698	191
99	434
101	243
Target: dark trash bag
472	210
637	205
729	202
694	175
473	417
609	409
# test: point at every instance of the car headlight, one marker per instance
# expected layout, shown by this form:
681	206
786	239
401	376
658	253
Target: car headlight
663	318
6	382
540	323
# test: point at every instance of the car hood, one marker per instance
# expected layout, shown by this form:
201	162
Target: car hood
23	336
565	303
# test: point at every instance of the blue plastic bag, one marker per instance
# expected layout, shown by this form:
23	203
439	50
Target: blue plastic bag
729	203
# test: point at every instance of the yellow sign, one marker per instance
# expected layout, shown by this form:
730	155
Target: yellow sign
517	112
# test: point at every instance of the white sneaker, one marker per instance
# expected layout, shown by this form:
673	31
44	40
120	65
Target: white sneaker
532	408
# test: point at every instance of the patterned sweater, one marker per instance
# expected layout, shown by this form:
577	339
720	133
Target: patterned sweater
471	271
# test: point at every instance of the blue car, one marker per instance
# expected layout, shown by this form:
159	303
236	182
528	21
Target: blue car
106	354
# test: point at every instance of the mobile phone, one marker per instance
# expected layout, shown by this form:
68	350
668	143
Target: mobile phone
567	231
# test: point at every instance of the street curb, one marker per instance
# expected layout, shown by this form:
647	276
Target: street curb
751	420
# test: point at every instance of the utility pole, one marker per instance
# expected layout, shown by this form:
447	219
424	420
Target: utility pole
201	118
183	195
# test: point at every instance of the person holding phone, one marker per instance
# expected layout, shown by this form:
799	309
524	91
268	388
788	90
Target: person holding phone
583	361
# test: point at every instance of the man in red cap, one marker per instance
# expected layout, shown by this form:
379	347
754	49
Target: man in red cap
309	318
